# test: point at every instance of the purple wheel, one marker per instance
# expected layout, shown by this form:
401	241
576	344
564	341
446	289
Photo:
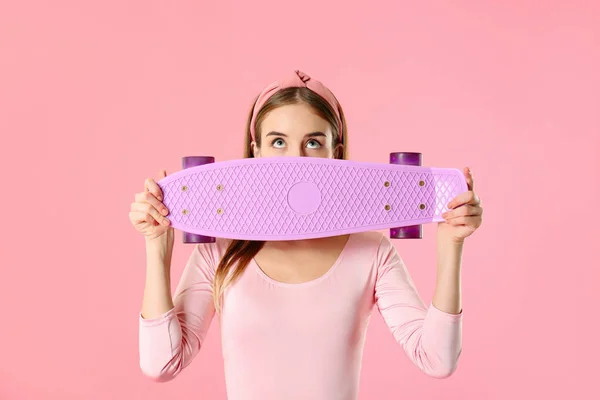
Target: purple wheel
414	231
194	161
407	232
193	238
189	162
402	158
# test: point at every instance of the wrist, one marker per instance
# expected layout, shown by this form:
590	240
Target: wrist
449	251
448	240
162	245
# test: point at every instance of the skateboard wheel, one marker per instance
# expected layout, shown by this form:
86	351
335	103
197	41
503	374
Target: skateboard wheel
193	238
403	158
407	232
194	161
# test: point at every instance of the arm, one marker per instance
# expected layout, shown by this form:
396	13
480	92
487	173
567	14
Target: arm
430	337
464	217
447	296
171	333
157	291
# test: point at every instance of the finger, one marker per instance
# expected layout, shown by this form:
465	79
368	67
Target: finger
151	186
469	177
464	198
147	208
139	217
461	199
475	201
463	211
147	197
470	221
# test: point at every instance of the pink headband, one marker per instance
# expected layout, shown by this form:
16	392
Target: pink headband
298	79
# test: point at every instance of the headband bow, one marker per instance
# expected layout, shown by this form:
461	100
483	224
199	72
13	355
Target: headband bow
297	79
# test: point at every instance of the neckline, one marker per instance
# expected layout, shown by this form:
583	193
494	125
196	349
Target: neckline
312	281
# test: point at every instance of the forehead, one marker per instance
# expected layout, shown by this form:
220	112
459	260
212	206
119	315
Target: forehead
295	119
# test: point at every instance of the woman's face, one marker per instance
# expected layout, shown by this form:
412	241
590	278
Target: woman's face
295	130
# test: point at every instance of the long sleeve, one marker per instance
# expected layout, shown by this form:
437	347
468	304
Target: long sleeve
169	343
431	338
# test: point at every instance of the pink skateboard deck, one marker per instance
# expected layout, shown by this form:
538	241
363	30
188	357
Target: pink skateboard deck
291	198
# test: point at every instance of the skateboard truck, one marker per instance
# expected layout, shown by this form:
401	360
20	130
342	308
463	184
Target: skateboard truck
188	162
412	231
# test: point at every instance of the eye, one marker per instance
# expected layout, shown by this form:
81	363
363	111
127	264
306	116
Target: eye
278	143
315	143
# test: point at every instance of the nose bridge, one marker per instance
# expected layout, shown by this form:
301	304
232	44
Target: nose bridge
296	150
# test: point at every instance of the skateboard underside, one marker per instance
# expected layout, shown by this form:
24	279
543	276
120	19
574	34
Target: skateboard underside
285	198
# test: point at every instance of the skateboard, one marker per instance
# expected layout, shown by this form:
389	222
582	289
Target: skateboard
292	198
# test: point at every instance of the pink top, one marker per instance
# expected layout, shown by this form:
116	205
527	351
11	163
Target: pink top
300	341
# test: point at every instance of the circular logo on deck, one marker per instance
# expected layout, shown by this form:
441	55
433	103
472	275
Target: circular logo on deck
304	197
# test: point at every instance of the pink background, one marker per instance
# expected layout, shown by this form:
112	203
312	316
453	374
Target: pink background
97	96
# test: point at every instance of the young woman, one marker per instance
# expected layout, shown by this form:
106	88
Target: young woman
294	313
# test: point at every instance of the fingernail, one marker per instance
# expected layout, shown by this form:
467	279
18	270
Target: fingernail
164	211
165	221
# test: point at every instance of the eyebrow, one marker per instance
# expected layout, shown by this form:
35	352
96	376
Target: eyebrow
313	134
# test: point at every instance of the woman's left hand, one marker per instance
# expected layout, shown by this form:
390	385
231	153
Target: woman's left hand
464	215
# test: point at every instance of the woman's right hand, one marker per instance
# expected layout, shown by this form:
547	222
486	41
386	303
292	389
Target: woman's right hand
148	214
